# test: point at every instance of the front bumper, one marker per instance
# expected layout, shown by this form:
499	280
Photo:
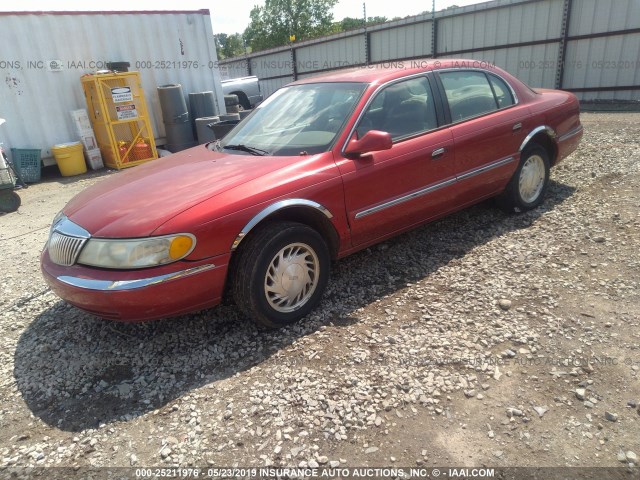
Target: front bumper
139	295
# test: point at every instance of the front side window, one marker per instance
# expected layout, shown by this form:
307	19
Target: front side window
298	119
468	93
403	109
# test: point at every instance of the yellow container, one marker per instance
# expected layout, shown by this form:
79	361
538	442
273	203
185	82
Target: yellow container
118	113
69	158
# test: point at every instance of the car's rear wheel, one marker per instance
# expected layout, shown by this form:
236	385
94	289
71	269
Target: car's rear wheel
529	183
281	273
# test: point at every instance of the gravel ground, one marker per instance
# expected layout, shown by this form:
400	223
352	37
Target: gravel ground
481	339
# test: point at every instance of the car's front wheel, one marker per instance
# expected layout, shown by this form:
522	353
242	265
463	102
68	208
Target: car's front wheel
529	183
281	273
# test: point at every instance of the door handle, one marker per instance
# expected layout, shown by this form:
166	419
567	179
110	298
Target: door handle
438	152
517	126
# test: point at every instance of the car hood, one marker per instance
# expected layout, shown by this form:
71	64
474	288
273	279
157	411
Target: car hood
136	202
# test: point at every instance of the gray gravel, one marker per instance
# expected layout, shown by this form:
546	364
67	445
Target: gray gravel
468	341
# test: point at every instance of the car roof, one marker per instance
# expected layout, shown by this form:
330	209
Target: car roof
387	71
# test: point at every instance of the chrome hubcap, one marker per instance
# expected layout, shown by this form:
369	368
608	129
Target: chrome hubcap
292	277
532	178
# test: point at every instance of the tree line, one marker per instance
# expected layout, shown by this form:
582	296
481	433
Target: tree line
281	22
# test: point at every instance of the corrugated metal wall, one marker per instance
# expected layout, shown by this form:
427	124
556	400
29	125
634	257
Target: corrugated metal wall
310	58
165	47
410	41
589	46
607	61
503	26
599	16
521	62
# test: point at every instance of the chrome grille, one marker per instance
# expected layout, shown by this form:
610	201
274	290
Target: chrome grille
64	249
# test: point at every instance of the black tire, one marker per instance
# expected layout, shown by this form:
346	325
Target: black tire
515	198
244	103
9	201
257	258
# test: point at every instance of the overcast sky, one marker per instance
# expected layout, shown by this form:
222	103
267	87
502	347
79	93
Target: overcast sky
231	16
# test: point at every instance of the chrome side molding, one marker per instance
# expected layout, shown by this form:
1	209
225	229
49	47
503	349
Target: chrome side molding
435	186
485	168
406	198
571	133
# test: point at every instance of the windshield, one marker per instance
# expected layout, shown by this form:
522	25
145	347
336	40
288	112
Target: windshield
301	119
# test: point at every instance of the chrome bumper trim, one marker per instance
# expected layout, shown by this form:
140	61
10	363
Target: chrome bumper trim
120	285
570	133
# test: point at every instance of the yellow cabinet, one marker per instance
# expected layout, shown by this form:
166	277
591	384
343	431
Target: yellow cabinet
118	114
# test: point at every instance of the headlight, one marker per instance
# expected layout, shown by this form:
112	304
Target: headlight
136	253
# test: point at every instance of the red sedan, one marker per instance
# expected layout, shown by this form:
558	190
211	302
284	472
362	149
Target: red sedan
324	167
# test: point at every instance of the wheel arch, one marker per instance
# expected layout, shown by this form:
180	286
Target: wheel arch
544	136
242	98
306	212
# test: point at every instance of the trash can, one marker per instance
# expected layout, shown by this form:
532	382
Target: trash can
118	66
205	134
220	129
69	158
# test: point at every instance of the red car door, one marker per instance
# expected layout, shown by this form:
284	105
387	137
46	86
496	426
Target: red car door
488	127
392	190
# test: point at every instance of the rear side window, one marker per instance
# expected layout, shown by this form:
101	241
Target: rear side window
502	91
468	93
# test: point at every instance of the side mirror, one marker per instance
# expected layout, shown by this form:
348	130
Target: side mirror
372	141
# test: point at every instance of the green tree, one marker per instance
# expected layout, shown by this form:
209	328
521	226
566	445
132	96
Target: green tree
229	45
374	20
271	25
220	39
350	23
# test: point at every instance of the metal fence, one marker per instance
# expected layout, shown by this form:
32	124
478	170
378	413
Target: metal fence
590	47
